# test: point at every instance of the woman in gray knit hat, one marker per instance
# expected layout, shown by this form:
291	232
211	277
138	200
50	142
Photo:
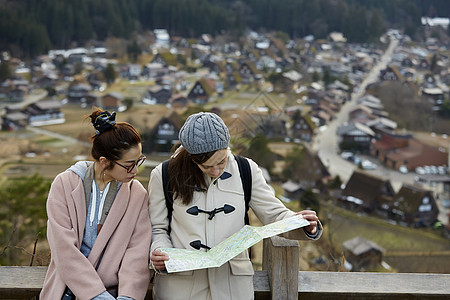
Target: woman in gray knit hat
197	200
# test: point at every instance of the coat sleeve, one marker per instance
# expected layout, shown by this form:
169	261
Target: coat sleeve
158	212
62	233
268	208
134	273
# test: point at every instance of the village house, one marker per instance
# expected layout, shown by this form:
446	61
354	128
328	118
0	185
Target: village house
157	94
78	92
113	102
155	70
14	90
178	101
320	117
361	113
391	73
293	190
96	81
364	192
272	126
287	82
362	254
355	136
395	150
302	128
411	206
14	121
164	135
202	90
311	174
249	73
381	124
48	80
165	58
435	96
45	112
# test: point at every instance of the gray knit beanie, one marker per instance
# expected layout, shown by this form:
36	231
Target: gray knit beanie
204	132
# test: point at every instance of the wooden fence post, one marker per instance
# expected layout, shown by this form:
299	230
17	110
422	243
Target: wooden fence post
280	260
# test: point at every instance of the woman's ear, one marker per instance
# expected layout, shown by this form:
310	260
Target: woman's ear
104	162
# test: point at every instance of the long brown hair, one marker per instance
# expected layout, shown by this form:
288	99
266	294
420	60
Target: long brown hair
185	176
112	143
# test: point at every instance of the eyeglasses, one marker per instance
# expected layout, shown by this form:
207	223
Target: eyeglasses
137	163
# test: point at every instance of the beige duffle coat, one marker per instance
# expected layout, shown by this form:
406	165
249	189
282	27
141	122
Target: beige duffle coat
234	279
126	234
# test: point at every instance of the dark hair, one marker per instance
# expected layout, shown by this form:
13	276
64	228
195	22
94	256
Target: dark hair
185	175
114	140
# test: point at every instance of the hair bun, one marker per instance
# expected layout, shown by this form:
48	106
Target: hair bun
104	121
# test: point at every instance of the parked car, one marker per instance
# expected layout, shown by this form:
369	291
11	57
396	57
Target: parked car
356	160
403	169
446	203
420	171
368	165
442	170
347	155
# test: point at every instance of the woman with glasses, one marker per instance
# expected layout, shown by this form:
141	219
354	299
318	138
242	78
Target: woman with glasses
98	226
208	206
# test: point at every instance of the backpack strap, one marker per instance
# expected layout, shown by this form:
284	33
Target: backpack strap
246	178
167	193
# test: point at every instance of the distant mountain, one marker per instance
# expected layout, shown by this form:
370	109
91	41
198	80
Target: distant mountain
28	28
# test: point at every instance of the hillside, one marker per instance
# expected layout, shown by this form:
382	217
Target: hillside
29	28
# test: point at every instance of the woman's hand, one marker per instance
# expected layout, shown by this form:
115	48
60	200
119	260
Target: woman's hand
311	217
157	258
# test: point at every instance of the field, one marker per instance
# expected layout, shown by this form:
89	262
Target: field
406	249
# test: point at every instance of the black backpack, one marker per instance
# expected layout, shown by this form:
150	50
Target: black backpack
246	178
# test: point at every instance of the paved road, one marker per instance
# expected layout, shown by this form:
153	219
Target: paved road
326	141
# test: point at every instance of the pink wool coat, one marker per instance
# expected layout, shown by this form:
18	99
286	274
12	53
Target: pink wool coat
126	234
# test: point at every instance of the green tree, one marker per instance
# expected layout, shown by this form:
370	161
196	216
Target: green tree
5	70
128	103
376	25
445	109
327	78
309	200
51	91
433	62
22	217
134	50
260	152
315	77
274	77
110	73
336	182
292	162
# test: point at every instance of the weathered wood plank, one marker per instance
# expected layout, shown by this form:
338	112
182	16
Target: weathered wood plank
21	282
374	283
26	282
280	260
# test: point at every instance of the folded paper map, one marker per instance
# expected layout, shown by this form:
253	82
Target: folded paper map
185	260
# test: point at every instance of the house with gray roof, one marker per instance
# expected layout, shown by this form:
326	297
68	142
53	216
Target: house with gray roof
362	254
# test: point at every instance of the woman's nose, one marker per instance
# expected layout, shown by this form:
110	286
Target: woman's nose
215	171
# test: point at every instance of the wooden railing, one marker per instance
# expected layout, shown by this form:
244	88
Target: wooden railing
280	280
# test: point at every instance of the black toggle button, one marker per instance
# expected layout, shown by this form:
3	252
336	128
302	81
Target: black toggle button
197	244
194	210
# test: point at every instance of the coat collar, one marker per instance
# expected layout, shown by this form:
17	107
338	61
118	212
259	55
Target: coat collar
225	175
80	208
